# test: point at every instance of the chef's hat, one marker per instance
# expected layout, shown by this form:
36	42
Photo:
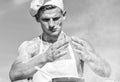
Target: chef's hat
37	4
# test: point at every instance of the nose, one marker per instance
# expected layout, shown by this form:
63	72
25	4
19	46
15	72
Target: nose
51	24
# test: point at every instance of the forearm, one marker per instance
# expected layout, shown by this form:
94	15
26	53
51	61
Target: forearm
24	70
99	66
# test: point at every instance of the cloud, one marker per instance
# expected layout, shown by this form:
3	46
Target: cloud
2	12
4	80
19	2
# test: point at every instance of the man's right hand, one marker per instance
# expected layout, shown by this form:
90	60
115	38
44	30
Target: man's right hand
57	50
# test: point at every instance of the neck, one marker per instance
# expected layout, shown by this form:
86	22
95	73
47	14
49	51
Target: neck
50	39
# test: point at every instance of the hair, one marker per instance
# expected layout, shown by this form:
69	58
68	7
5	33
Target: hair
44	8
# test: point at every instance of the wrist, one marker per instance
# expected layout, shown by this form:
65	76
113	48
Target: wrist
44	58
37	68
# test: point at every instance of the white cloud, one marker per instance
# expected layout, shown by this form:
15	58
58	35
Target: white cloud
2	12
3	80
19	2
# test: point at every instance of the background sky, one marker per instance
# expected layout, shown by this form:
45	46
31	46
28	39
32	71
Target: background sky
98	21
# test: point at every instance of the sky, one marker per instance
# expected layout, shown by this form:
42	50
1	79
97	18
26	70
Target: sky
97	21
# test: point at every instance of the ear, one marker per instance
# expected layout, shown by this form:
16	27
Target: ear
64	15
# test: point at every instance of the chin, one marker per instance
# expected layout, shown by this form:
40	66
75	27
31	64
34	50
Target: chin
55	33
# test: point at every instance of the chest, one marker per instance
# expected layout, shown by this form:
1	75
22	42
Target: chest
79	63
73	56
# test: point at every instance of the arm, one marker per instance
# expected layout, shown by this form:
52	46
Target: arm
23	67
98	64
89	56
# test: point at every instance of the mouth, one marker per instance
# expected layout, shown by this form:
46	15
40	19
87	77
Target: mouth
53	30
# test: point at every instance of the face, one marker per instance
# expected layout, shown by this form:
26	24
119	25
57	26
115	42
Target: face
51	21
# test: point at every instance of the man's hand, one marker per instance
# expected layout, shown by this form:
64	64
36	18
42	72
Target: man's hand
83	49
88	54
57	50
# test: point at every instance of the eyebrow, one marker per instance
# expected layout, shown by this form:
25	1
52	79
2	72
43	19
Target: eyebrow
56	18
47	19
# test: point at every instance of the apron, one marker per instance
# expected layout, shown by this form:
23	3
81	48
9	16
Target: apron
56	69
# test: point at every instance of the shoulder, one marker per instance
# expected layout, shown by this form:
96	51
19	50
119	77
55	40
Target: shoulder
29	46
27	50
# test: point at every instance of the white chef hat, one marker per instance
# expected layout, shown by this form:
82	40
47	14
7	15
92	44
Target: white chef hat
37	4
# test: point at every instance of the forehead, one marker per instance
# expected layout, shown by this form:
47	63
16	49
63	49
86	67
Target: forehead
51	13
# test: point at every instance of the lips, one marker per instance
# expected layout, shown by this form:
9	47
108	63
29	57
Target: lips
52	29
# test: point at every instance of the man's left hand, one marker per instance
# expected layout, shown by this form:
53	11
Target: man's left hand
82	48
88	55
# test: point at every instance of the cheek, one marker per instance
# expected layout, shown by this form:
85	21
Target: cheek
59	22
45	25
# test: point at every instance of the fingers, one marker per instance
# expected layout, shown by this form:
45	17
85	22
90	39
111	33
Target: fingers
77	43
61	51
61	43
60	54
77	40
58	49
77	46
64	44
62	48
59	46
79	52
57	55
84	43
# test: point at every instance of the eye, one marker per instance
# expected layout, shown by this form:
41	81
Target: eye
45	19
56	18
